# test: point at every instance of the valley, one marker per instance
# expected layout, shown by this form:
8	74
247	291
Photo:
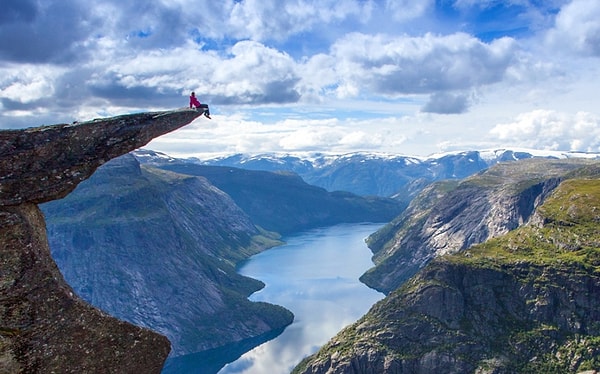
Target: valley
159	248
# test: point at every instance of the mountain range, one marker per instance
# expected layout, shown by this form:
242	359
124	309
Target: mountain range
488	266
380	174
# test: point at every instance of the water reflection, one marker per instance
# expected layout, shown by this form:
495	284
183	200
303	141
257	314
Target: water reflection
211	361
316	277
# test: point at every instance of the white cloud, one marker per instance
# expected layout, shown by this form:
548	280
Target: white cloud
403	10
263	20
355	73
318	77
310	139
28	83
404	64
444	67
551	130
239	134
578	28
255	74
250	73
361	140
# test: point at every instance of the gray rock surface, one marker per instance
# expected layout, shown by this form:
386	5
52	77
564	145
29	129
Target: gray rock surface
46	163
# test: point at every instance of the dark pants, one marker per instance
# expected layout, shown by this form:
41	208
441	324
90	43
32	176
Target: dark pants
205	107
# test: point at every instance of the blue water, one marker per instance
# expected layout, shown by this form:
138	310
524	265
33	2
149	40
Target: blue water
315	275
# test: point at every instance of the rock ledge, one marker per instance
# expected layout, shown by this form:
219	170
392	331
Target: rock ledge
44	326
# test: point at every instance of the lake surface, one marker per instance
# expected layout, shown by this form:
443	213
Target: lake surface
315	275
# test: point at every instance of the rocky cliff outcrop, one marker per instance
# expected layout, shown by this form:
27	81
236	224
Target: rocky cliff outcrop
524	302
44	326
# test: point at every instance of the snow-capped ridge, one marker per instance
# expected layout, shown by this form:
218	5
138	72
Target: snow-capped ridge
378	173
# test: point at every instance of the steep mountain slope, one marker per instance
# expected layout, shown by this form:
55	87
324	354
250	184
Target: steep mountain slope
284	203
524	302
450	216
158	249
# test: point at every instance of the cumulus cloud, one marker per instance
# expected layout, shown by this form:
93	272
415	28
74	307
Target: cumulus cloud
319	77
250	73
27	83
240	134
262	20
330	63
421	65
328	134
551	130
163	51
254	74
578	27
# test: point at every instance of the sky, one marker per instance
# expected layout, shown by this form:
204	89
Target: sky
411	77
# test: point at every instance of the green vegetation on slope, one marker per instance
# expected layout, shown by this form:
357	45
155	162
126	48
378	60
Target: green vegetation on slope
451	216
566	233
566	240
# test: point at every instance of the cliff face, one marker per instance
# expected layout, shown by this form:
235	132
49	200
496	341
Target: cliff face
45	327
524	302
159	249
451	216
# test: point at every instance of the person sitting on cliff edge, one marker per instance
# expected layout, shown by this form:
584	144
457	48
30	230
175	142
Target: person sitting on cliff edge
195	104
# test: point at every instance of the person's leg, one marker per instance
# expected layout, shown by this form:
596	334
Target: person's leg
206	111
205	107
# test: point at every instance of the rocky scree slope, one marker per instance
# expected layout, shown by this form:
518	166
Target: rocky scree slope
450	216
524	302
44	326
159	249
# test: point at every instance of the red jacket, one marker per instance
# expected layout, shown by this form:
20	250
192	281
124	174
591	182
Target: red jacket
194	102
